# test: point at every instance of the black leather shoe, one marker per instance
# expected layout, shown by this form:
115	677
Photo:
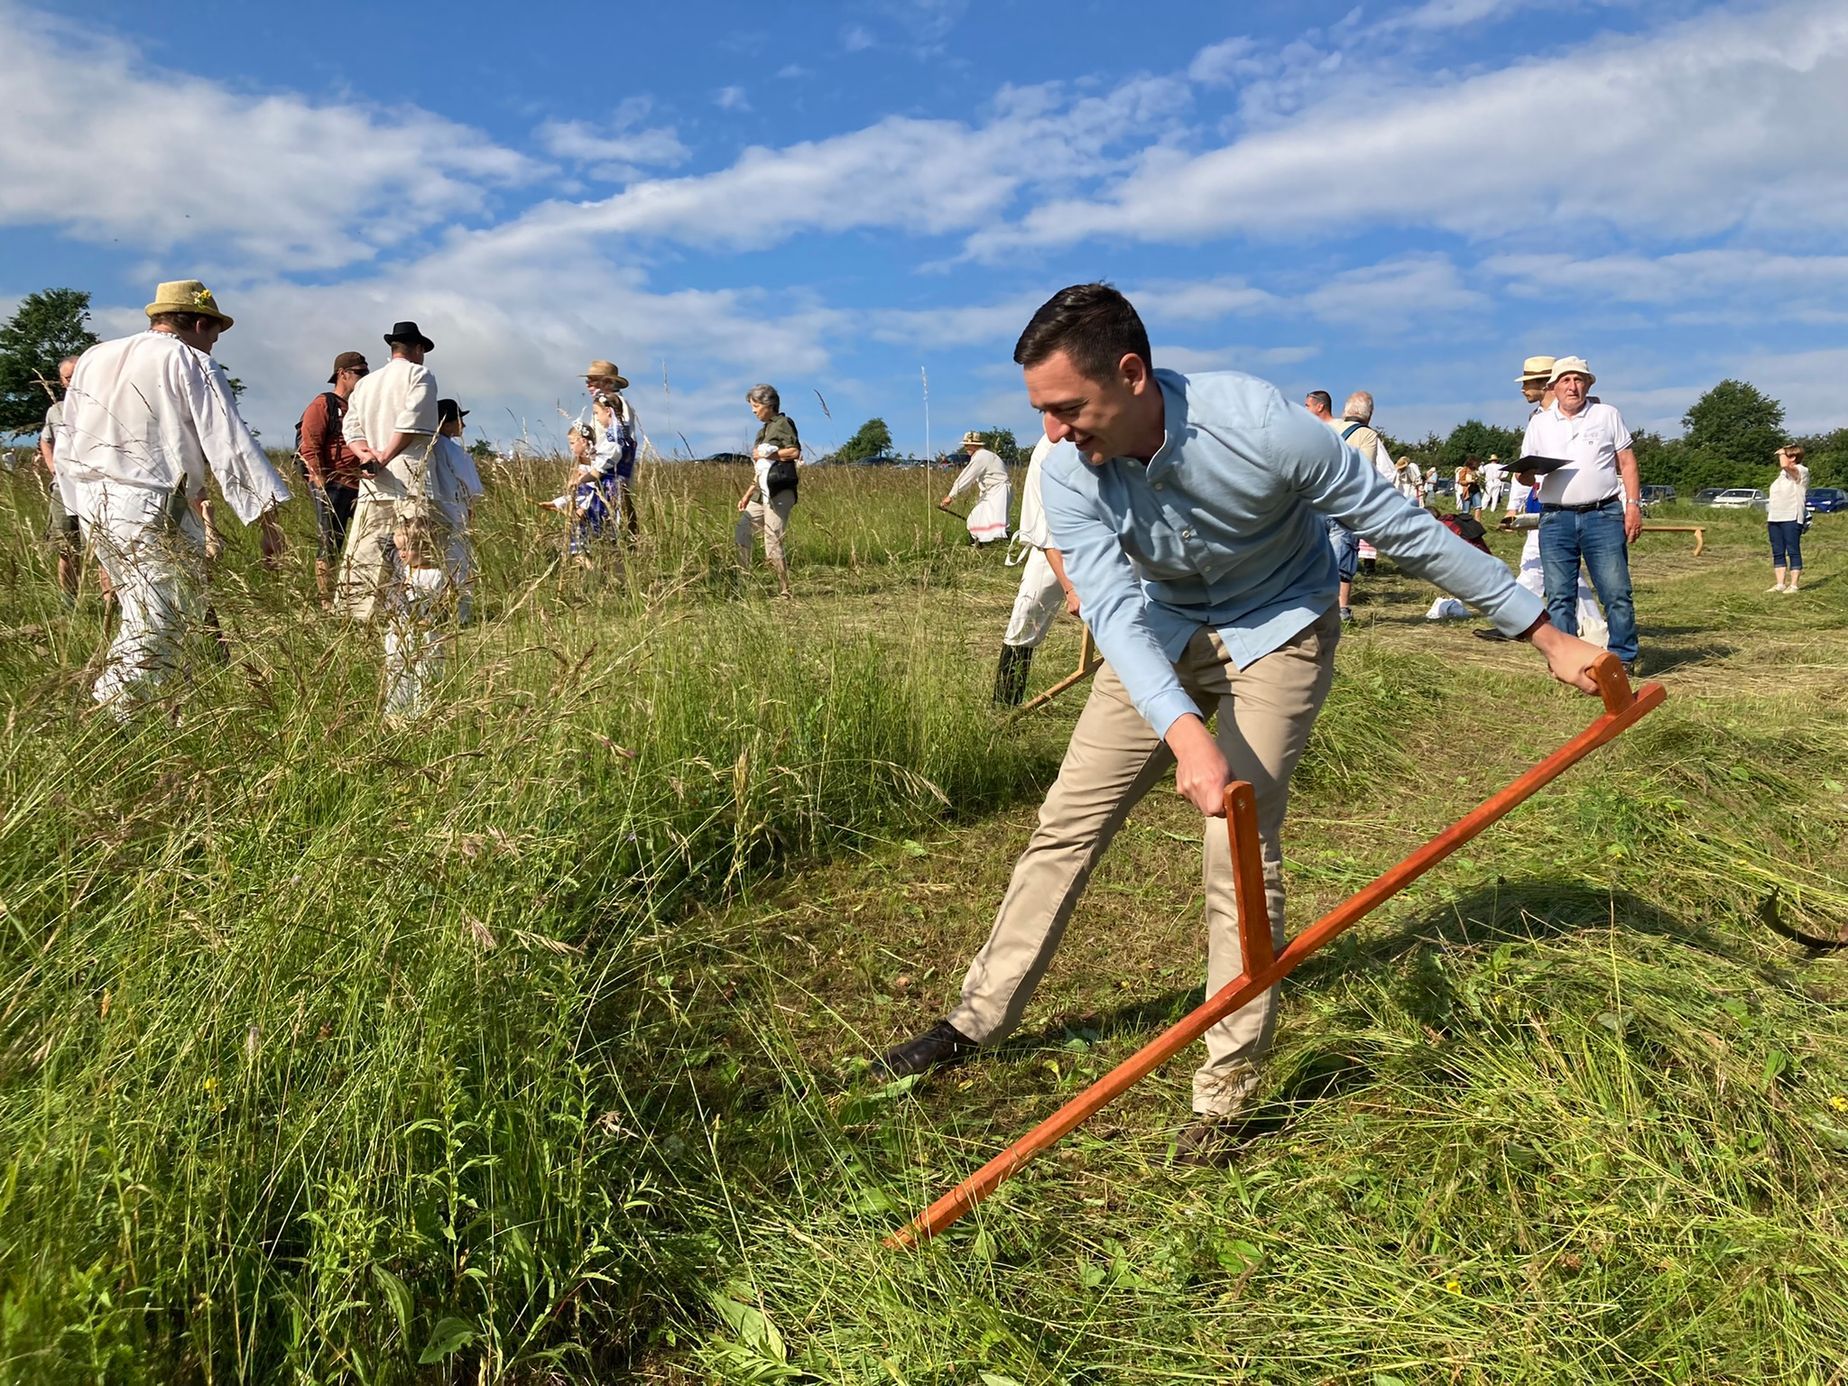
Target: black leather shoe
1209	1143
942	1044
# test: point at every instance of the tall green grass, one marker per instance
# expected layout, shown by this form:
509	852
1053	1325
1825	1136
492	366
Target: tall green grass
523	1044
314	1036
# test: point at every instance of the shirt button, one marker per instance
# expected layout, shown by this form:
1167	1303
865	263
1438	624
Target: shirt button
1161	485
1187	534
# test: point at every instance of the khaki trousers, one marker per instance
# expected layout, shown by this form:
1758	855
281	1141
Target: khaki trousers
367	563
1264	713
772	518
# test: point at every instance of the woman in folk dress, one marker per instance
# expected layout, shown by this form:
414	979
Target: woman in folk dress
987	522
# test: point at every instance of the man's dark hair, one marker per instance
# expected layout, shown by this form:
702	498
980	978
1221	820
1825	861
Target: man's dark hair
1091	323
1323	398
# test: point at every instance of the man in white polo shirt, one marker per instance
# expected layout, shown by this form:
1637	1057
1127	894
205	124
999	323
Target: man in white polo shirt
1591	508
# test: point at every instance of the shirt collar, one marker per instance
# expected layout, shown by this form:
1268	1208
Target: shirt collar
1173	422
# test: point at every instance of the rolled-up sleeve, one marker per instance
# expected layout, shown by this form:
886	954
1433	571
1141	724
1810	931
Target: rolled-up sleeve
1113	603
1338	481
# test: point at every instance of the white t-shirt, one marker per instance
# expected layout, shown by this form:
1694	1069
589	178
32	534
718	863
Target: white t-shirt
1590	440
1788	495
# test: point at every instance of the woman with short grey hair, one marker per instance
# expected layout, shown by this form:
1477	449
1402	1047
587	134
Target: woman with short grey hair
764	508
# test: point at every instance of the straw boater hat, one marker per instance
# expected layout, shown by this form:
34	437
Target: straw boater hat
1571	365
972	437
605	370
187	296
1535	368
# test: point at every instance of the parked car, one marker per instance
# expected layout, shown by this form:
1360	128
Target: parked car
1824	500
1707	496
1741	498
731	459
1657	495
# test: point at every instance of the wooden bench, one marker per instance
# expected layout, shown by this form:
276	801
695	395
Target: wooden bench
1698	531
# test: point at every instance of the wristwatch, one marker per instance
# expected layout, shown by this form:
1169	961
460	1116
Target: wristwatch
1633	500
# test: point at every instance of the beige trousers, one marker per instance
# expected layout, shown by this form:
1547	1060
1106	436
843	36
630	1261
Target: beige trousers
772	519
1264	715
367	563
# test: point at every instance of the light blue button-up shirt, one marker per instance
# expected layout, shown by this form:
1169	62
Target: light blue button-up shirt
1224	529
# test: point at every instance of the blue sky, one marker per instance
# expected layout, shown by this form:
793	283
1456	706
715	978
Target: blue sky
1403	198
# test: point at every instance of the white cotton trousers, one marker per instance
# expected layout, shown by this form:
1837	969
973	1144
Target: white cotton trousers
153	549
1036	603
1591	623
417	612
366	562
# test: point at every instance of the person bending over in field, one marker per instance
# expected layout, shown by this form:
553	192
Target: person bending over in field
1189	510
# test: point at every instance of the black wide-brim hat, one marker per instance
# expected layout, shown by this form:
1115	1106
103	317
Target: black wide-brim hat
407	332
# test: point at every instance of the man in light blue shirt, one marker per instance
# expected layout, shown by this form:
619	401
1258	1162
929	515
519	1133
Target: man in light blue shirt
1190	511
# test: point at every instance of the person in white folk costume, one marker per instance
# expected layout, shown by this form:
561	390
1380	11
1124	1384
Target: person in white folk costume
1408	480
1494	482
145	418
987	522
391	426
431	566
1044	588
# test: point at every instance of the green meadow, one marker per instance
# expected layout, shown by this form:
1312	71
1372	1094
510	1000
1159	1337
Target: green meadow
528	1044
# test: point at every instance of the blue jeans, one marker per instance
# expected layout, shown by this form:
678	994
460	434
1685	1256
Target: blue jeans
1596	536
1346	546
1786	543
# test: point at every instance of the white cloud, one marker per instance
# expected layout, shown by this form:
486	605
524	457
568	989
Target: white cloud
616	149
1253	360
856	38
1384	299
1200	300
731	98
1734	284
924	176
1808	383
1672	128
1218	63
269	179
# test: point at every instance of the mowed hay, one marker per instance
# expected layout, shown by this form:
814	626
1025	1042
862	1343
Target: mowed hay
520	1045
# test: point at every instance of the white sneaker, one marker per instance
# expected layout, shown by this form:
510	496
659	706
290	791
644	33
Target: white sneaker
1775	587
1790	591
